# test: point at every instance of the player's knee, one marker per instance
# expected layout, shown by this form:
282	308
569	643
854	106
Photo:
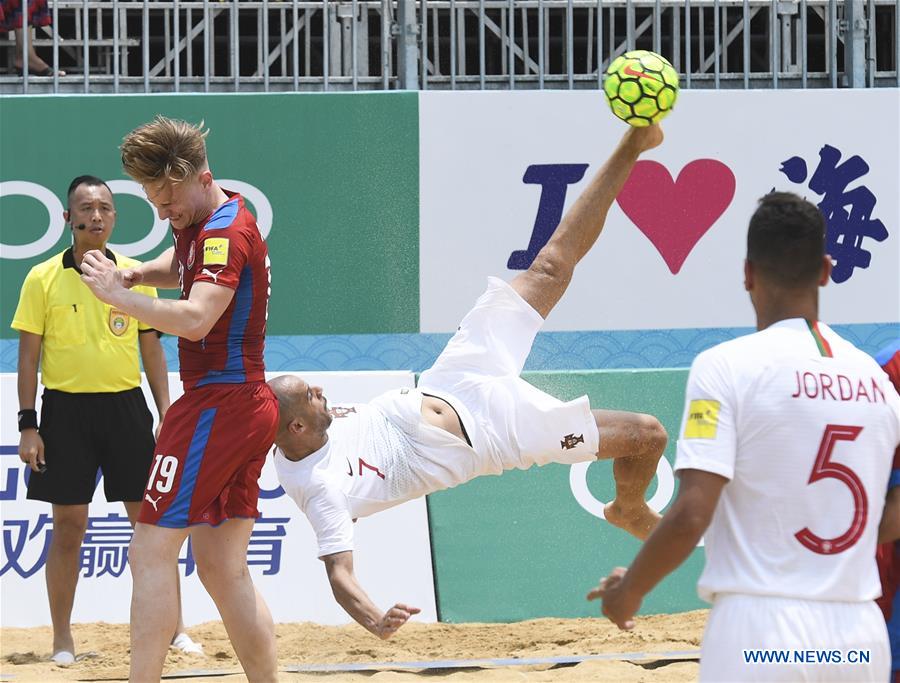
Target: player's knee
652	435
552	267
219	577
68	532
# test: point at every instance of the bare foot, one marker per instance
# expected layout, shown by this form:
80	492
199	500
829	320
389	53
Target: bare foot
638	520
37	67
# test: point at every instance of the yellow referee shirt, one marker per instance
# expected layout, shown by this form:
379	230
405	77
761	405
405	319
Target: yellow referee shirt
88	346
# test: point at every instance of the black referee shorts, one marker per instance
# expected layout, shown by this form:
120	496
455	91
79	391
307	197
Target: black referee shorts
112	432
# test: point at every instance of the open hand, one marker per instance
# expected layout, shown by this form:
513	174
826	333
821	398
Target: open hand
394	618
619	605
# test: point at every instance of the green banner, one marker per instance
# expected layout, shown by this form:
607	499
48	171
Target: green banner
520	546
339	171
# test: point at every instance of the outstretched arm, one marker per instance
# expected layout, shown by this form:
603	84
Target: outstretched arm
669	545
544	283
351	596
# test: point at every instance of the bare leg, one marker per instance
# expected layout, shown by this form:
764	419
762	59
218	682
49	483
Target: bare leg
221	554
637	442
35	63
63	563
154	598
132	509
544	283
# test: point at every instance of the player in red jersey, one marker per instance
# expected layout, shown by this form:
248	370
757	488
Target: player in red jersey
214	440
889	553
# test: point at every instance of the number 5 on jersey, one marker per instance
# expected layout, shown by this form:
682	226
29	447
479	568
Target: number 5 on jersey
825	469
165	467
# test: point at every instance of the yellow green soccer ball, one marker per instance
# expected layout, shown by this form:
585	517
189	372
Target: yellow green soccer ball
641	87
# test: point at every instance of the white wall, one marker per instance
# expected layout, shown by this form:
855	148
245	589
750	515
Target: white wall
392	548
475	148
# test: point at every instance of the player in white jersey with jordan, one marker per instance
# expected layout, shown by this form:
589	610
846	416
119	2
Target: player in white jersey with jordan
470	415
784	455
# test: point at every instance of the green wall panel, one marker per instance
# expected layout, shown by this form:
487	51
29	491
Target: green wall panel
519	546
341	172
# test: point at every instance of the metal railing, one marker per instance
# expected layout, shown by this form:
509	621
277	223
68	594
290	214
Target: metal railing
295	45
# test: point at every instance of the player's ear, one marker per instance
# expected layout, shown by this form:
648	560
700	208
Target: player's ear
295	426
825	275
748	275
205	178
66	215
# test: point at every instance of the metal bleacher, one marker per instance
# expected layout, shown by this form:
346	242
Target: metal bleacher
128	46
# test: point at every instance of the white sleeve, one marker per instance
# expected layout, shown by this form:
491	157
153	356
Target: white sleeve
329	514
707	439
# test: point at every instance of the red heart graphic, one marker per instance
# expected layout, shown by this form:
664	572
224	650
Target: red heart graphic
675	215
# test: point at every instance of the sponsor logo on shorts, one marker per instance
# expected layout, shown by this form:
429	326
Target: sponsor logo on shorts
215	251
569	441
118	322
152	502
703	419
340	411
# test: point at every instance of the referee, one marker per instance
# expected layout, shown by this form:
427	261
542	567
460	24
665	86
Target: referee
93	412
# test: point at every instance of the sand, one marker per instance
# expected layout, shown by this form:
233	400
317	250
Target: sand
25	652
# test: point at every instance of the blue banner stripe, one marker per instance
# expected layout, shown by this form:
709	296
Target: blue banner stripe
176	516
586	350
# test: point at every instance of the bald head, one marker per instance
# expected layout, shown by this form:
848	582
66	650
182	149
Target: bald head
303	417
289	390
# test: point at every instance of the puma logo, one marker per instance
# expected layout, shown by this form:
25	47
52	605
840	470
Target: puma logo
214	276
153	502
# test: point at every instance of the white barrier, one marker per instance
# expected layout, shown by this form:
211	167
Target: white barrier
671	253
393	548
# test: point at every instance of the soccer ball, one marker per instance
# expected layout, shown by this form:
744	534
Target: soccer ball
641	87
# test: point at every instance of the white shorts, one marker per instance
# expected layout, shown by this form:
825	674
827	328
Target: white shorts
505	417
740	625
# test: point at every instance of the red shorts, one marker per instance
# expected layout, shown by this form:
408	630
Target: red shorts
211	450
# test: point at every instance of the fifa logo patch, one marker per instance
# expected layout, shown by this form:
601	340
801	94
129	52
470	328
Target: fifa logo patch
340	411
569	441
118	322
702	420
215	251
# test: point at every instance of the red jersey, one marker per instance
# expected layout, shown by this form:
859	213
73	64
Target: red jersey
889	553
226	249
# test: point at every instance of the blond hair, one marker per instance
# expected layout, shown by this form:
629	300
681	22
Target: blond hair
164	150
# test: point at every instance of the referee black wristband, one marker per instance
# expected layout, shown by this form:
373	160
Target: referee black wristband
28	419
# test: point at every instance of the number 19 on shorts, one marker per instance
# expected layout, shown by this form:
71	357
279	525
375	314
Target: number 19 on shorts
164	466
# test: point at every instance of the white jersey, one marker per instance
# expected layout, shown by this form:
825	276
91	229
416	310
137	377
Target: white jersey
804	425
371	463
383	453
